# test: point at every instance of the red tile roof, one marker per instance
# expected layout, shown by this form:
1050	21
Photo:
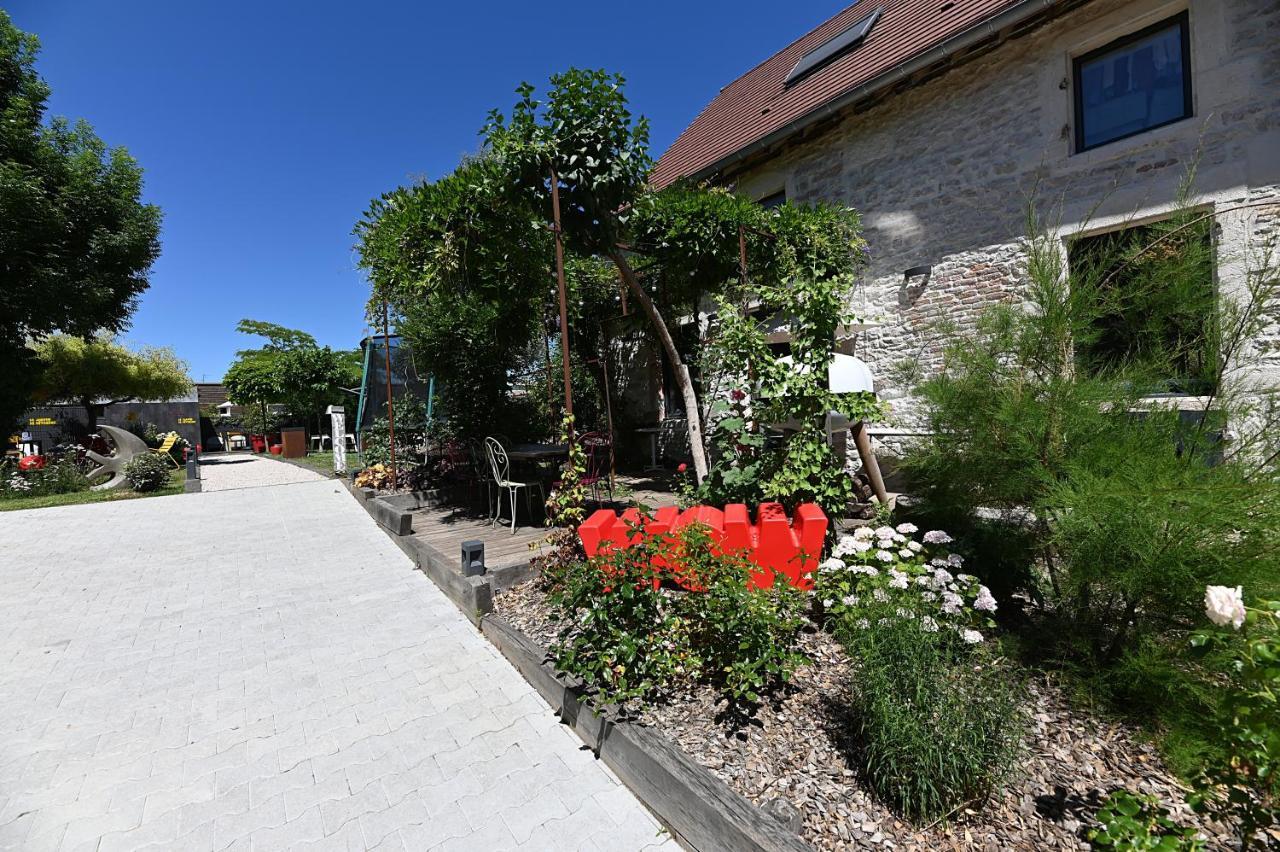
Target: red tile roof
757	104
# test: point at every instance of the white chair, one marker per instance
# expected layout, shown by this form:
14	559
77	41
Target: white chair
500	465
318	442
351	442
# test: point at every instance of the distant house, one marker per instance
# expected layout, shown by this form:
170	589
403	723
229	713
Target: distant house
937	119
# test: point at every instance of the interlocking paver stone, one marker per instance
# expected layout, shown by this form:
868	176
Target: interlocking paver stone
262	668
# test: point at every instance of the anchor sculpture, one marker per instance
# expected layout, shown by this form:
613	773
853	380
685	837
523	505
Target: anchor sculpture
126	445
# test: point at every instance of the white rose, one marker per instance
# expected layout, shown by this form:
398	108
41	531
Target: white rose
1224	605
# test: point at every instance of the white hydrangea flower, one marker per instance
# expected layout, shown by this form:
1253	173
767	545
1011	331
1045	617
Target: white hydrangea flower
937	537
907	529
905	613
1225	605
924	581
938	563
928	625
844	546
884	555
885	532
984	601
885	544
864	533
955	560
899	538
971	637
928	596
899	580
879	595
966	578
862	624
849	600
869	570
915	546
827	602
905	554
951	603
832	564
861	545
942	576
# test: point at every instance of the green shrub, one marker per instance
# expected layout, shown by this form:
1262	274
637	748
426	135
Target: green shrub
619	634
939	724
147	472
1130	823
744	638
630	640
1105	509
375	443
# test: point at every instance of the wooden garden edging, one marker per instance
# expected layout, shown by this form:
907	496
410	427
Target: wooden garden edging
702	812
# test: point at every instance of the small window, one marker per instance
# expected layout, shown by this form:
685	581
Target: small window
776	199
1152	305
833	48
1137	83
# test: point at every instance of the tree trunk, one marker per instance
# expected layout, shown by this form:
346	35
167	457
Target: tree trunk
91	414
692	412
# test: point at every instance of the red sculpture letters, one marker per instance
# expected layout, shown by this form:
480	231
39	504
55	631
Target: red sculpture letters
777	546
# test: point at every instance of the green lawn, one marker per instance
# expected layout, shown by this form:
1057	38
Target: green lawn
13	504
321	461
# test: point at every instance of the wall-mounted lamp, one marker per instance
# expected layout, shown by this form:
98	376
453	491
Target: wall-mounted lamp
917	271
472	558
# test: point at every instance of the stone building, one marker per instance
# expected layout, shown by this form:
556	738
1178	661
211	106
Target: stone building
939	120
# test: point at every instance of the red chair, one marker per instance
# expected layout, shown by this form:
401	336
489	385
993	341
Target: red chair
599	449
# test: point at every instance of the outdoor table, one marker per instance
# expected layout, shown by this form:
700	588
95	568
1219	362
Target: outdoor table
537	452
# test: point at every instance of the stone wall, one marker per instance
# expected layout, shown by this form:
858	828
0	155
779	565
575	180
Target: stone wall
943	173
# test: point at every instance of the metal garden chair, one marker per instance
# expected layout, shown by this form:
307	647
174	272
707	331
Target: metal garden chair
500	465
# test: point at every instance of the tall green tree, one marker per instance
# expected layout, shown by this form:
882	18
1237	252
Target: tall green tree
473	249
76	241
291	369
95	372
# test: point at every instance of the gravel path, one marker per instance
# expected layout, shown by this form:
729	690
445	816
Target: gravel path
265	669
228	472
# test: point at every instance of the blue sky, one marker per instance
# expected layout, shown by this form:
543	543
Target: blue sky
264	128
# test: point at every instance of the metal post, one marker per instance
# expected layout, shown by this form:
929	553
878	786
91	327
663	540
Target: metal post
564	299
391	408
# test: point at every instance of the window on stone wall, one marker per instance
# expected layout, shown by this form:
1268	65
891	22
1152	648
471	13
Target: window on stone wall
1150	300
1136	83
775	199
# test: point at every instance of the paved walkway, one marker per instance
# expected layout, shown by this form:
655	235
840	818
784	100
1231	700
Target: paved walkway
229	472
263	669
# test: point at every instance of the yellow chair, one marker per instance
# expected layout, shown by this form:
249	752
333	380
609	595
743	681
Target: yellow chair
164	448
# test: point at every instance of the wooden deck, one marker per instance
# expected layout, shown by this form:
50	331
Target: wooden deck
447	528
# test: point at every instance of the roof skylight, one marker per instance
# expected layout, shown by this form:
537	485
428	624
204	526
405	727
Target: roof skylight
833	48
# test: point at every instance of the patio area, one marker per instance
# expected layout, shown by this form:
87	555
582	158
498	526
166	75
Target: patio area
446	528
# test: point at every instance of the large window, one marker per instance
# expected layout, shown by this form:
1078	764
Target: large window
1134	84
1151	303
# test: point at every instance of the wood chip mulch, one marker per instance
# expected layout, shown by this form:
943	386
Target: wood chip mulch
793	756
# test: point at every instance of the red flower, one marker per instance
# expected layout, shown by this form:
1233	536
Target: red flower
32	463
738	395
682	467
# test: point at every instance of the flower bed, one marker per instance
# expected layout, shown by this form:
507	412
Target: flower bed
796	748
837	730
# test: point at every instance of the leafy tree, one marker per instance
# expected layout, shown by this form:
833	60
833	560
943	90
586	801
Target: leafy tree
76	241
291	370
465	260
97	371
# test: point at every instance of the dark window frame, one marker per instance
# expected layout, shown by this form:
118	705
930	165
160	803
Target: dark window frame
1183	23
